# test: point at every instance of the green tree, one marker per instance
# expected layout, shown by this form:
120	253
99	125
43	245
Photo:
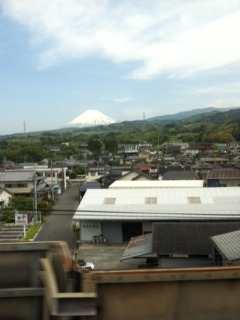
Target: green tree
22	203
94	145
111	144
7	215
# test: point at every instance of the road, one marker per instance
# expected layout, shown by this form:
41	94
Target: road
58	226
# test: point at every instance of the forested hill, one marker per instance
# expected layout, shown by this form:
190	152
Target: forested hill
211	126
219	117
187	114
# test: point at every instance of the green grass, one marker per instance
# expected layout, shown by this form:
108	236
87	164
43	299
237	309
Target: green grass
32	231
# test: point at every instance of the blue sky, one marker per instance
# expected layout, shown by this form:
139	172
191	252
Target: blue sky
124	58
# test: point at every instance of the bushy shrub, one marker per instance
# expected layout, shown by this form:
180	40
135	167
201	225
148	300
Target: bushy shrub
7	215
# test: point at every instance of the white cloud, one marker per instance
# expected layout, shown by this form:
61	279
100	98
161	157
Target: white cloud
121	100
116	99
163	37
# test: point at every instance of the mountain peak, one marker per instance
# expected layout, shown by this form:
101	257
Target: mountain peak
90	118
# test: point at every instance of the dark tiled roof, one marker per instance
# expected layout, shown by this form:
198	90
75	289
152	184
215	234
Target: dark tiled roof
179	175
188	237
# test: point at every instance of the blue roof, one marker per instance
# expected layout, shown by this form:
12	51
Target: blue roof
90	185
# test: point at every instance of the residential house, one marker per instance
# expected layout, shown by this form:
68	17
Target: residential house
21	182
26	183
171	148
113	175
130	154
5	198
94	173
150	170
234	148
134	175
53	175
202	146
215	161
223	178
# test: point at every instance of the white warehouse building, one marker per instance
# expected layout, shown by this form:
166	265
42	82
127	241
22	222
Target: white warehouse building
117	214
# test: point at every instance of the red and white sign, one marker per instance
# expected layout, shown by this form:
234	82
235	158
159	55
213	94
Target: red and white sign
21	218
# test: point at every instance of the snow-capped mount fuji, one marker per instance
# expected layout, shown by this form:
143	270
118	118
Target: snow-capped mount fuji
90	118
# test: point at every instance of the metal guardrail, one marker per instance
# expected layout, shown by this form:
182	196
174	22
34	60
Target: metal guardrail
37	282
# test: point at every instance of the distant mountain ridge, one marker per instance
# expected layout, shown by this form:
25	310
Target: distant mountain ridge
188	114
210	114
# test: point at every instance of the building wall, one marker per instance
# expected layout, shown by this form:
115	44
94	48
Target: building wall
89	230
223	182
20	190
111	231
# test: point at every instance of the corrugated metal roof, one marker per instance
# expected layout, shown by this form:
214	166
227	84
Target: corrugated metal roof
224	174
172	203
138	246
188	237
157	184
228	244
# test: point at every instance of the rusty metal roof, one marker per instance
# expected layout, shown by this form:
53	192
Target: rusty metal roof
138	246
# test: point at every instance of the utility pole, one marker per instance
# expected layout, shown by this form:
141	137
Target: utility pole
35	198
52	181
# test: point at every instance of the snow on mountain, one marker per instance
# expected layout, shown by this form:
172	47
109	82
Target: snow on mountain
90	118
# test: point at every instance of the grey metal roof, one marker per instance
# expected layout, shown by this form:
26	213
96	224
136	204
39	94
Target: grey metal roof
169	203
17	175
228	244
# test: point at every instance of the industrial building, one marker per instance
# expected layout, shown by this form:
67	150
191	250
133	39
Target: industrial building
117	214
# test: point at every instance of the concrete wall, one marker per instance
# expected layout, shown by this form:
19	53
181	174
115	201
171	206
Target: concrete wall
89	230
112	231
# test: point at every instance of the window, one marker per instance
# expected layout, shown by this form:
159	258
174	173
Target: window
15	185
194	200
151	200
109	201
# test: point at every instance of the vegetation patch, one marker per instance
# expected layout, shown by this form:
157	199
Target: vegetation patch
32	231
